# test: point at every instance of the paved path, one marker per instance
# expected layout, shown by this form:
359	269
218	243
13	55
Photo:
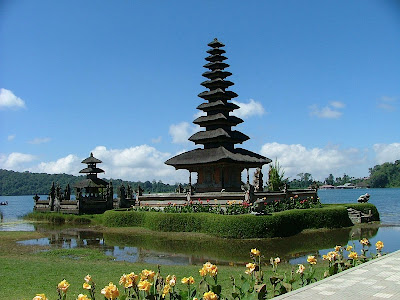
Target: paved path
376	279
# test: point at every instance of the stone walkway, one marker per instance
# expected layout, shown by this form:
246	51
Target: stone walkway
376	279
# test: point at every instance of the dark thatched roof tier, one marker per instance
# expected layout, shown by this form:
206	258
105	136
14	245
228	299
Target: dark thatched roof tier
216	57
216	51
218	119
200	157
216	65
216	74
91	170
216	44
217	94
91	182
91	160
218	105
217	83
218	135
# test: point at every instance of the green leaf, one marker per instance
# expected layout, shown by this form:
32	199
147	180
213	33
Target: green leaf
216	289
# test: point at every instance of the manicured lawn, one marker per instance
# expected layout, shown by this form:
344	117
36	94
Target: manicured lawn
26	270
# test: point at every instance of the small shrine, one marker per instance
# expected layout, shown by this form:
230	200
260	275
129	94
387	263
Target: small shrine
219	164
93	194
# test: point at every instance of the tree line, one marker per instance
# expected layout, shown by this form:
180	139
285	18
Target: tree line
26	183
386	175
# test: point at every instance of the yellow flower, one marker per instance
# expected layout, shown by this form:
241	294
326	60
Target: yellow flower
301	269
255	252
166	290
330	256
312	260
348	248
187	280
147	275
210	269
110	291
210	296
82	297
129	280
63	286
364	242
87	286
122	280
277	260
88	278
144	285
171	280
353	255
250	268
379	245
40	297
203	272
337	248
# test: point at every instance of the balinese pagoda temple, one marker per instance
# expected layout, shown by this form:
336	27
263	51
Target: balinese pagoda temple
219	163
94	194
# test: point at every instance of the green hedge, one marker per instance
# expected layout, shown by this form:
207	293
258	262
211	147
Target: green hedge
59	218
280	224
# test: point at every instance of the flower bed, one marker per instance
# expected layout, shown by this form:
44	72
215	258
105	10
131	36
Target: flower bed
152	285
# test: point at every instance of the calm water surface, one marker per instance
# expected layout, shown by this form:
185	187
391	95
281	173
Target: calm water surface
141	247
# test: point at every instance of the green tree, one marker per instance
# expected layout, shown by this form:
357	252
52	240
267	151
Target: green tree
330	180
275	177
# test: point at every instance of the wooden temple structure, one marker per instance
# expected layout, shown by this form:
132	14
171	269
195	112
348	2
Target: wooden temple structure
219	164
93	194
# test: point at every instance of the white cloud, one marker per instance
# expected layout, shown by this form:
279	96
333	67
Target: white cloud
246	110
156	140
9	100
68	165
337	104
37	141
11	137
15	161
331	111
319	162
138	163
386	152
387	103
181	132
198	114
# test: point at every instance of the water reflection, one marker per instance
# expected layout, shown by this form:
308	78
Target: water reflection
174	250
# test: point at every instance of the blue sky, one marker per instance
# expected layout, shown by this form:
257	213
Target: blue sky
318	83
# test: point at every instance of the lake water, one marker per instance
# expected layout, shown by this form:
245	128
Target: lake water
176	251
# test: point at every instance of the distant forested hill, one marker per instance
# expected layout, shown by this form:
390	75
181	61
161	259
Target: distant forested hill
26	183
385	175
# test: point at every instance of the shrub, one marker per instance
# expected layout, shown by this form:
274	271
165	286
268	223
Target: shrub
280	224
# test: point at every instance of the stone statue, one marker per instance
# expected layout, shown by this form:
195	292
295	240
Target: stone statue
36	198
122	191
129	192
58	191
52	191
139	191
67	192
180	189
258	180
